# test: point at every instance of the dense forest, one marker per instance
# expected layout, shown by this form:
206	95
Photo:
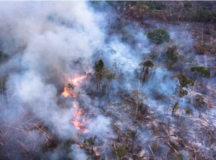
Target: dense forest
108	80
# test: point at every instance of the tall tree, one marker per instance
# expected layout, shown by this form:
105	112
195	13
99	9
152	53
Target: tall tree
138	97
109	77
91	142
184	83
102	72
99	65
145	69
133	134
200	72
98	68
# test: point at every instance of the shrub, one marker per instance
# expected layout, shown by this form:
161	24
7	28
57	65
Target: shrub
188	111
171	54
182	92
199	102
120	151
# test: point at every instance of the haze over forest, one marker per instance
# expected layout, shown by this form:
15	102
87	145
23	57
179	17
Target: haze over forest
108	80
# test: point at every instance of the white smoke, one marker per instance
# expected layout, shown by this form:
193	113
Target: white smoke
42	39
78	153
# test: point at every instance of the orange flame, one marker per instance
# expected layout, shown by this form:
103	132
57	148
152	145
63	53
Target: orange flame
80	145
79	124
73	81
77	80
66	93
77	121
96	151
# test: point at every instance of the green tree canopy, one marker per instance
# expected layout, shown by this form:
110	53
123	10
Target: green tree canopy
133	134
99	69
147	64
99	65
171	54
120	151
184	81
159	36
201	71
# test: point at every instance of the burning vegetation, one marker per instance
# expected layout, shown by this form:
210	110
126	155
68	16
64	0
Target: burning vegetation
107	80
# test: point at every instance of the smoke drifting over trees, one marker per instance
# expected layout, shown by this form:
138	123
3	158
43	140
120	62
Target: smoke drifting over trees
107	80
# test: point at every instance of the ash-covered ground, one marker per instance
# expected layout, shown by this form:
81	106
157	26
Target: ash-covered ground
107	80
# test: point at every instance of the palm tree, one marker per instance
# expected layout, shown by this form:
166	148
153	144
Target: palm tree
133	135
120	151
145	69
91	142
